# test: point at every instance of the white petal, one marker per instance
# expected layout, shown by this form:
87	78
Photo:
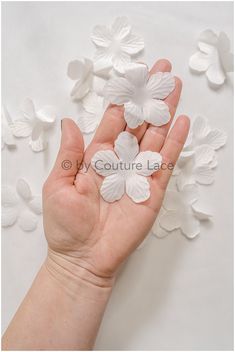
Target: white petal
76	69
92	102
133	114
121	61
120	28
172	200
28	221
9	216
184	179
215	74
204	175
105	162
223	42
23	189
21	128
208	37
156	112
98	85
158	231
161	84
101	36
118	90
9	196
214	162
189	194
200	212
39	144
200	127
113	188
147	163
27	107
104	57
37	130
7	136
203	154
126	146
6	116
81	88
47	114
36	205
88	122
227	60
137	188
215	138
190	226
137	74
170	221
132	44
199	62
188	141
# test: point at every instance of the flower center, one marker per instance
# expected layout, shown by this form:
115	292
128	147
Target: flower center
140	96
115	47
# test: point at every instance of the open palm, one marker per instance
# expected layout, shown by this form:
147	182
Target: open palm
80	226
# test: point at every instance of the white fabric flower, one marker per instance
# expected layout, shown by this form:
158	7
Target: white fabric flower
213	57
126	170
88	76
7	136
141	95
34	124
117	44
94	108
183	211
195	167
14	211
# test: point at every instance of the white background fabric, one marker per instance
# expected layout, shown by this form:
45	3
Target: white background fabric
173	293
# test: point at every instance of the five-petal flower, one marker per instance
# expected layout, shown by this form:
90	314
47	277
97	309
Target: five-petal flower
125	169
117	44
141	95
213	57
183	212
33	124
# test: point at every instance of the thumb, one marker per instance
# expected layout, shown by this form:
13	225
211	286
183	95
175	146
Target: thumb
70	154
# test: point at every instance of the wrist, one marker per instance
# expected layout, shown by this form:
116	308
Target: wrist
74	275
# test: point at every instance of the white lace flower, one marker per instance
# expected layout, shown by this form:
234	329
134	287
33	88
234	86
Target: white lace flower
12	207
126	170
183	211
213	57
195	166
88	76
94	108
141	95
34	124
7	136
117	44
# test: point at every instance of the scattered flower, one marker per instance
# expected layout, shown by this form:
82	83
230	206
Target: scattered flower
214	57
141	95
183	212
116	45
126	170
11	207
34	123
88	77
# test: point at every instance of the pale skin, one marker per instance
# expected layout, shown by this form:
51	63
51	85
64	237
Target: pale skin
88	238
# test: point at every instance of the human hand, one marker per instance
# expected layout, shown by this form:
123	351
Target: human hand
85	234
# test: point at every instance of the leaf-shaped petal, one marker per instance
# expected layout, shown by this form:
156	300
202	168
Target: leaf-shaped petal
126	146
203	154
201	212
112	188
215	74
215	138
9	216
22	128
9	196
101	36
105	162
171	220
200	127
39	144
120	28
133	115
138	188
47	114
199	62
156	112
147	163
88	122
23	189
121	61
132	44
190	226
160	85
204	175
137	74
27	221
